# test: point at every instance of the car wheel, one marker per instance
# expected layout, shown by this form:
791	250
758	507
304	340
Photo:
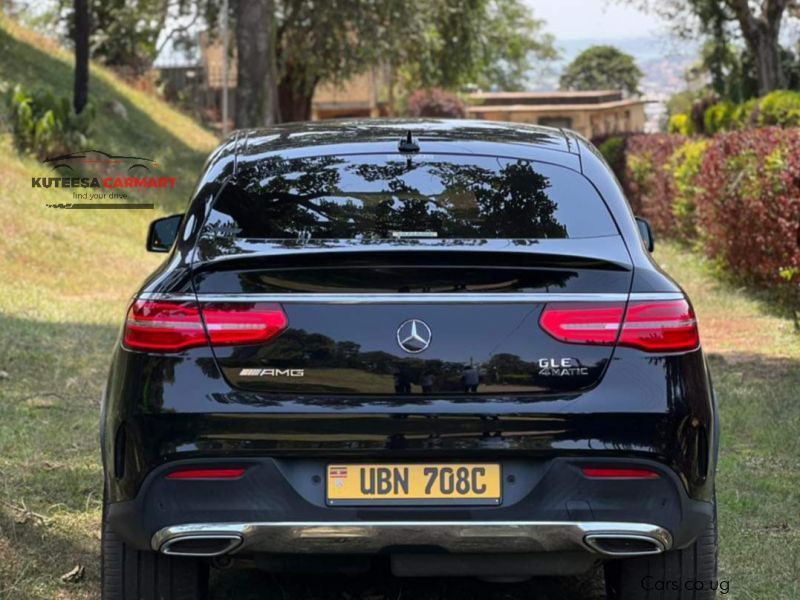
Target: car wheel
686	574
130	574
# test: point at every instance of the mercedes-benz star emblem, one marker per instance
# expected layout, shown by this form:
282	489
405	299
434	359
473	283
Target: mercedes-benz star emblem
414	336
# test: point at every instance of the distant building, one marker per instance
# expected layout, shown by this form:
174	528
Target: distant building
190	73
591	114
363	95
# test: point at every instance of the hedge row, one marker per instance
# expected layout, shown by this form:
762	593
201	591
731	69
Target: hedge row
736	195
779	108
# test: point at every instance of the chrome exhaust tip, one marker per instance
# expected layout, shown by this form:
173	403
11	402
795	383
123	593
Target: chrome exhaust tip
201	544
624	544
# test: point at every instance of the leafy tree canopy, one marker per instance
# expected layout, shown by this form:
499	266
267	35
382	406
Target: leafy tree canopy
124	33
493	44
602	68
754	23
427	43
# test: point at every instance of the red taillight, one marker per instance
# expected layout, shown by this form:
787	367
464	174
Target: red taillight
206	474
660	326
602	473
668	326
236	323
175	326
163	326
583	323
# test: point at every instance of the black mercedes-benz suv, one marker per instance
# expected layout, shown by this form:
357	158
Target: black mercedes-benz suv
440	345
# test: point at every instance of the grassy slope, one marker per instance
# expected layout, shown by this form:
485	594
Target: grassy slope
65	278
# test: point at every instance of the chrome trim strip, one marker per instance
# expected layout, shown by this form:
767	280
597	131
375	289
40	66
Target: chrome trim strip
454	536
170	296
411	298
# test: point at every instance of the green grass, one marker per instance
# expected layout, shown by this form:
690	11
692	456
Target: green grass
755	362
65	277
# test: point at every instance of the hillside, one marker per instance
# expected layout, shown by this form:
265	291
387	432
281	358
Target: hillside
66	276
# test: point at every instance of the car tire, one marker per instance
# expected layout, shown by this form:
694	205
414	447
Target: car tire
668	576
130	574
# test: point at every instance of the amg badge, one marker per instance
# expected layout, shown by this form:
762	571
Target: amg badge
272	373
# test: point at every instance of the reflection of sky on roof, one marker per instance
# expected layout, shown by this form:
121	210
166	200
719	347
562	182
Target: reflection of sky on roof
421	179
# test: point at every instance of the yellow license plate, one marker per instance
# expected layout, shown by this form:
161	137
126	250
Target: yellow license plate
424	484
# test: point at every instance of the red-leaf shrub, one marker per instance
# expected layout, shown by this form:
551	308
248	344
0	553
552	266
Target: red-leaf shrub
649	183
435	103
748	206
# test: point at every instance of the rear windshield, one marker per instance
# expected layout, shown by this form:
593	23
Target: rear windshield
370	197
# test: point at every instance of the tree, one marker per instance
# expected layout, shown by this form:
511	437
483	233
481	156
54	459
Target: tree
602	68
256	103
515	45
757	22
331	41
81	39
124	33
761	30
487	43
425	43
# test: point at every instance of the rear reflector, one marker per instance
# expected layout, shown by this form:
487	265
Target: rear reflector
175	326
596	473
661	326
206	474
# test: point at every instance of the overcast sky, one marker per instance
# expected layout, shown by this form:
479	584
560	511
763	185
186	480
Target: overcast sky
577	19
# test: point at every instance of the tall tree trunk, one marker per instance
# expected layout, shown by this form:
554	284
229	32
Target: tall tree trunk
766	50
295	103
272	108
254	98
762	33
81	89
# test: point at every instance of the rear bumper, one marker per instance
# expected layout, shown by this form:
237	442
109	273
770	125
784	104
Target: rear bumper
279	506
372	537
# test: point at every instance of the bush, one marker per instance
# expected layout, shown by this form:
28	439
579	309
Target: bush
685	165
45	124
780	108
719	117
680	124
613	150
649	183
435	103
745	114
748	206
737	194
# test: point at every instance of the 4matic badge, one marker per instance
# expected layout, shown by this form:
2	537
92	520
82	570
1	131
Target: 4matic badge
560	367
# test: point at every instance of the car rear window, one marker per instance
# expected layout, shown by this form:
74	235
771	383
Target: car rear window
369	197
